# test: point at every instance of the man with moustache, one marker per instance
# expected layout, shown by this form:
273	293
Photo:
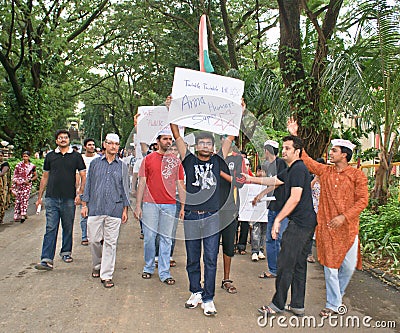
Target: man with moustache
159	176
59	171
105	204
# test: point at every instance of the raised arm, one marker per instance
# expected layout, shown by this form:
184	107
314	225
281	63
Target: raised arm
180	144
269	181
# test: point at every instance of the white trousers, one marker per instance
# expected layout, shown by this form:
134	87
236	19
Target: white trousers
104	228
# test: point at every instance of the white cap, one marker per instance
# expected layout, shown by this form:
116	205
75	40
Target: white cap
343	143
271	143
164	131
112	137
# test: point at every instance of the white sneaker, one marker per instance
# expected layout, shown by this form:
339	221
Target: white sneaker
261	255
209	308
193	301
254	257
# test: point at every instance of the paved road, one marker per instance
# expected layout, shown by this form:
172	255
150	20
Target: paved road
67	299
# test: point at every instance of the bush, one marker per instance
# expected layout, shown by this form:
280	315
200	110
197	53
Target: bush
380	235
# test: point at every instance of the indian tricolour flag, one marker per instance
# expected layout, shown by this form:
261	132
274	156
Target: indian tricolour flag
205	63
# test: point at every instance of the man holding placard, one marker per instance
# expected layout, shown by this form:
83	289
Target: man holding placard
201	223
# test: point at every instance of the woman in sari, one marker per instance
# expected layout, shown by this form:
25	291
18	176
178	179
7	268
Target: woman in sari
24	175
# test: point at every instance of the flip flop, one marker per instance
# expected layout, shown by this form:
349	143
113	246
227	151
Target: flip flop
146	275
107	283
169	281
95	273
325	313
67	258
266	310
266	275
44	266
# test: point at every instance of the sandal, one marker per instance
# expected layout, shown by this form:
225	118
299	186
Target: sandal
267	275
85	242
172	263
325	313
228	286
44	266
95	273
169	281
266	310
107	283
146	275
311	259
67	258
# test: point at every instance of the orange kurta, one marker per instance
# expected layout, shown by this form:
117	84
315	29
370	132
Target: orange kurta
346	193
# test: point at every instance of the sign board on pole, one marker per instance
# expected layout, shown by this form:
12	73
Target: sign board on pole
206	101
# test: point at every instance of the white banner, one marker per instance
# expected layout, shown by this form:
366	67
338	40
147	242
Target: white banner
248	212
151	121
206	101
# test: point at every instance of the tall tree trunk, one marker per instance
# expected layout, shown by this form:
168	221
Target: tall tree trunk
305	89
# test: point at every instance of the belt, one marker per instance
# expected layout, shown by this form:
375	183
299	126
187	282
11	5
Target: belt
202	211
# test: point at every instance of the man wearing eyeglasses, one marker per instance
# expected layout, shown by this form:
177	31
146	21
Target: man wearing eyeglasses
105	202
59	170
201	223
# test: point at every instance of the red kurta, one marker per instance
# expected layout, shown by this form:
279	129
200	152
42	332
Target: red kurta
346	193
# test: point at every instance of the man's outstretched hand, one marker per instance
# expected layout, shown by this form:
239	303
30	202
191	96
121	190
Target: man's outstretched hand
292	126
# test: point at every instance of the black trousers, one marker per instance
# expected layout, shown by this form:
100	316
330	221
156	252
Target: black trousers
292	266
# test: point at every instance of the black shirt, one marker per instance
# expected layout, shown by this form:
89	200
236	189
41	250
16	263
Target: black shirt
271	170
203	182
62	170
234	167
297	175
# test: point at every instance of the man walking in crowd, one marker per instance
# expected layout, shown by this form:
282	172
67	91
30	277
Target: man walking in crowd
201	224
344	195
59	170
292	259
273	166
105	202
88	157
159	176
228	215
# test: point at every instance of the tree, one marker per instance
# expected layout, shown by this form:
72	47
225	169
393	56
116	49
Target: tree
37	42
302	83
365	80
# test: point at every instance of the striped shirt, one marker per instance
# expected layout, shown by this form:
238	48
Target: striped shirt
107	187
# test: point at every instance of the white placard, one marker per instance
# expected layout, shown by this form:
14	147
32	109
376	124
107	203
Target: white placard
151	121
206	101
258	213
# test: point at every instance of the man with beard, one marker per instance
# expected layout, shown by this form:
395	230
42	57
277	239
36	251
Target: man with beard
159	176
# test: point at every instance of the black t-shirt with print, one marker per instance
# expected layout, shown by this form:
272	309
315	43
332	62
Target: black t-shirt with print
203	182
297	175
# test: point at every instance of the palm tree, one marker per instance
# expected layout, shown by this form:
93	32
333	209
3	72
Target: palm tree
365	82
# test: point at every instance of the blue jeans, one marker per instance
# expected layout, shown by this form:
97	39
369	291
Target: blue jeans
274	245
84	228
336	280
58	209
173	236
158	219
202	228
